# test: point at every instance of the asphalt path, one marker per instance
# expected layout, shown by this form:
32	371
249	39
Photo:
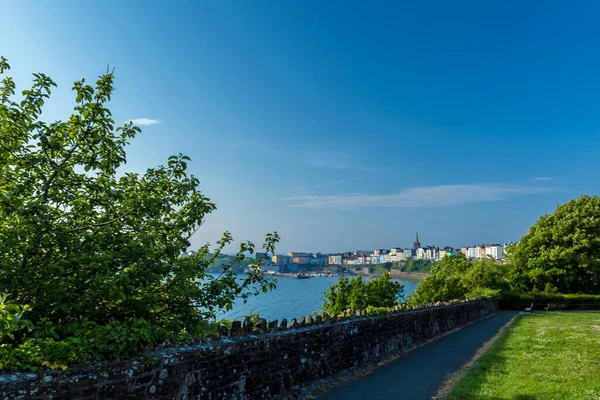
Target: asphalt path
418	374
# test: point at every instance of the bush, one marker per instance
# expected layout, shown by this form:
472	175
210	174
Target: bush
11	319
516	300
35	353
483	293
456	278
119	339
94	252
377	311
446	281
360	295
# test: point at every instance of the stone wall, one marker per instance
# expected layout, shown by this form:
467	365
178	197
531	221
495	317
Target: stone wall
271	361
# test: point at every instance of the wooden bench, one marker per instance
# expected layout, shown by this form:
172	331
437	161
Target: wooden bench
551	306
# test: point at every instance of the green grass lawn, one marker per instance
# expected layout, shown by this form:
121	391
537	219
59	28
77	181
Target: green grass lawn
553	355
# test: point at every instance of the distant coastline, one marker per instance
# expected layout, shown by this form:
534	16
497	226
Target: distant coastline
394	273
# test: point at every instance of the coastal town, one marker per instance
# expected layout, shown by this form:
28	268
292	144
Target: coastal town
308	200
364	261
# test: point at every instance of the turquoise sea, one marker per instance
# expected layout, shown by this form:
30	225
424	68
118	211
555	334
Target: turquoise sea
294	298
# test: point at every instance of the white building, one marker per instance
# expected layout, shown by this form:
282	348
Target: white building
495	251
431	253
335	259
471	253
421	254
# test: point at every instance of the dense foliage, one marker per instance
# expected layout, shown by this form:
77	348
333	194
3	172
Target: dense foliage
379	268
561	249
520	300
423	266
559	254
90	262
454	277
358	294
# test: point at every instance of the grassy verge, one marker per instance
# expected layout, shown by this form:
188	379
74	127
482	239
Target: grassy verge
540	356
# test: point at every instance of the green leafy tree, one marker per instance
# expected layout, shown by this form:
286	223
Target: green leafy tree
84	245
488	274
383	292
11	319
561	249
456	278
446	281
359	295
337	298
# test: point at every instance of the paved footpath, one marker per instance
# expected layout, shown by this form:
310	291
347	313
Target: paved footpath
418	374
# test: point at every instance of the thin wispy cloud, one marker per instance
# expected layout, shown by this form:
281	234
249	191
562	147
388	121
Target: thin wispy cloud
543	178
322	185
336	164
419	197
145	121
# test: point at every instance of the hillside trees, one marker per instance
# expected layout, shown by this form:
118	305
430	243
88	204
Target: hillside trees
413	265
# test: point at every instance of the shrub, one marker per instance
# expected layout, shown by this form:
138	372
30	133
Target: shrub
516	300
96	254
377	311
456	278
483	293
358	294
11	319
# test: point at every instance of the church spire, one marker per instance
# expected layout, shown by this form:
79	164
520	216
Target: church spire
417	244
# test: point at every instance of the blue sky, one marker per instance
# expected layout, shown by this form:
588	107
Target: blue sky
342	124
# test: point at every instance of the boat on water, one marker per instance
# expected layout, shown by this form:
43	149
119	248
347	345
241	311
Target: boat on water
286	274
293	275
